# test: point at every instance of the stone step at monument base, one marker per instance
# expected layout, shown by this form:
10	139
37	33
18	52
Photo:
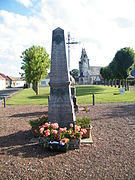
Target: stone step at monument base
87	140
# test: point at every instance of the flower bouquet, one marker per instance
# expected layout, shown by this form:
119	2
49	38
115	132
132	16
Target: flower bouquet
75	136
84	122
53	137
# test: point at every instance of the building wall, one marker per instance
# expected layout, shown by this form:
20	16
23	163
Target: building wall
44	82
18	83
8	84
2	84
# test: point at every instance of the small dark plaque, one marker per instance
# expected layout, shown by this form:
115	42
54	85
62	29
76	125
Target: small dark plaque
59	91
58	39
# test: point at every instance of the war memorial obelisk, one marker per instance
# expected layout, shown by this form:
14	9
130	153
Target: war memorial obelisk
60	104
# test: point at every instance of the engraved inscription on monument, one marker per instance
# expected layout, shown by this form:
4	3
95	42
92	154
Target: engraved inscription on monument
60	104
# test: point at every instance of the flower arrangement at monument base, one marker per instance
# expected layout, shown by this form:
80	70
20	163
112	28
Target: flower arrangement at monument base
35	124
84	122
75	136
53	137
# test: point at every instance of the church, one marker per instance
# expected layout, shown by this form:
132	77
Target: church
88	74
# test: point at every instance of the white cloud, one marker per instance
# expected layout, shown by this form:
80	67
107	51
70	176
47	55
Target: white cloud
26	3
17	34
103	27
93	22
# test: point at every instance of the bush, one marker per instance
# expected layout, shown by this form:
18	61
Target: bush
84	122
38	122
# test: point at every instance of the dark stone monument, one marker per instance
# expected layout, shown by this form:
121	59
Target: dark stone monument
60	105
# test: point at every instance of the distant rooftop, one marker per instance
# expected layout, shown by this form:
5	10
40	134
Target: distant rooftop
16	78
1	77
95	70
4	76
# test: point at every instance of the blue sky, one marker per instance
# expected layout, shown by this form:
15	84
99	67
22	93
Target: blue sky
103	27
13	6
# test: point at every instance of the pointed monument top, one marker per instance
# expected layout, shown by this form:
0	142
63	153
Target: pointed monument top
58	29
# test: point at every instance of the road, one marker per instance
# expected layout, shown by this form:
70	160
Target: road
9	91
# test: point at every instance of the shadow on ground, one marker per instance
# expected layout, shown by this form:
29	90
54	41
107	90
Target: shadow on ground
39	97
86	90
19	144
125	110
29	114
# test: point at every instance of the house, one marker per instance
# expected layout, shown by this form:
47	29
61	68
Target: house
17	82
2	83
7	79
45	81
95	77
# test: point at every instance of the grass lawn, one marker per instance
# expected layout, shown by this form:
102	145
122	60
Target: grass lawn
103	94
27	96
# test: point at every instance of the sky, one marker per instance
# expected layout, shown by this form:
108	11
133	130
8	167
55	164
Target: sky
101	26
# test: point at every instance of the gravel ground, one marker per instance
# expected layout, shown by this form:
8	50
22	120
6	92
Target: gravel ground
111	156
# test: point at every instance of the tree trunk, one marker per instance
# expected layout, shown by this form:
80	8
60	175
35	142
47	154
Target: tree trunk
111	82
123	82
35	87
125	85
115	82
105	82
119	83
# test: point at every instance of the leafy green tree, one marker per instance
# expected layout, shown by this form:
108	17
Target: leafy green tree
114	73
124	61
35	64
74	72
120	67
106	74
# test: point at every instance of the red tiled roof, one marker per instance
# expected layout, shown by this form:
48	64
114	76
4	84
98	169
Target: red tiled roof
3	75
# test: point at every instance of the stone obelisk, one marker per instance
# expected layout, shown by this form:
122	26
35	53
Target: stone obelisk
60	104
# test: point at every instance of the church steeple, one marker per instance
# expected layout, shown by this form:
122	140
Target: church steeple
84	54
84	67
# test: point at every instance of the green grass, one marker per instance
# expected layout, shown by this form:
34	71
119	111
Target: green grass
27	96
103	94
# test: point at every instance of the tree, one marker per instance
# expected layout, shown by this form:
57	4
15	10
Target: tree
102	72
106	73
114	73
120	67
35	65
124	61
74	73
